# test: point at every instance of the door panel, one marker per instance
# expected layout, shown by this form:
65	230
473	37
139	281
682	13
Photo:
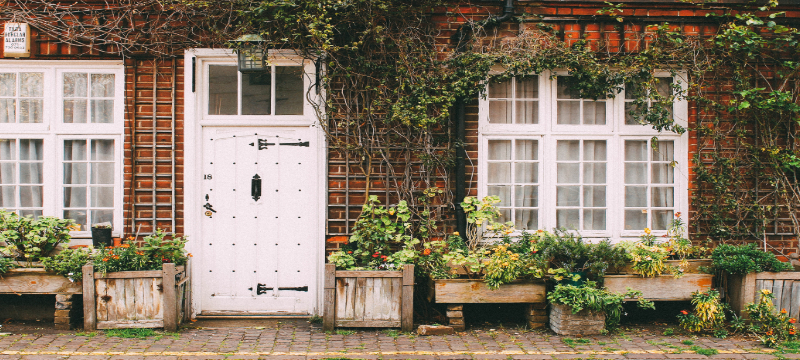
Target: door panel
259	228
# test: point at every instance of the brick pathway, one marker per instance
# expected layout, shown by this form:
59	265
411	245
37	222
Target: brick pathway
297	339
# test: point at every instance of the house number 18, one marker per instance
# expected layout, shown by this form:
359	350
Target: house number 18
207	177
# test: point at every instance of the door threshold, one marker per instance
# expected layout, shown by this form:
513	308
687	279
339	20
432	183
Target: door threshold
249	315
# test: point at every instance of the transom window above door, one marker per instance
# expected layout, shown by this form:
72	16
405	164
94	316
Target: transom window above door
278	90
557	160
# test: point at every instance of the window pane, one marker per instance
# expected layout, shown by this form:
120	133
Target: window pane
569	113
527	87
31	84
74	197
527	150
636	173
75	173
503	192
564	92
499	112
567	219
101	216
594	150
568	150
635	220
8	198
500	89
526	172
74	111
289	91
662	219
663	174
79	216
256	93
499	149
630	109
30	149
102	85
8	173
8	149
8	84
594	173
526	219
31	213
103	150
74	150
499	172
75	84
664	151
594	219
636	196
636	150
568	173
102	173
527	112
30	173
30	196
222	90
526	196
631	91
505	215
663	197
594	196
102	196
103	111
31	111
664	86
568	195
8	111
594	113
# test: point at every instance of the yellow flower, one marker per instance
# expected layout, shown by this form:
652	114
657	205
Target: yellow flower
766	292
647	231
456	233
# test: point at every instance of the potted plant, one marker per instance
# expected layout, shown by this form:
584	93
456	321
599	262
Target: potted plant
26	244
664	269
137	284
588	310
376	264
748	270
101	235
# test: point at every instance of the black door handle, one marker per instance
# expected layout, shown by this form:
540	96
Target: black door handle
255	187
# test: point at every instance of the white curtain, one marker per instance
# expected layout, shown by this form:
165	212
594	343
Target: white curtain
30	172
75	173
8	90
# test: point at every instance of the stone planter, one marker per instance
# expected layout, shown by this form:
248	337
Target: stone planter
368	298
457	292
743	289
38	281
585	322
660	288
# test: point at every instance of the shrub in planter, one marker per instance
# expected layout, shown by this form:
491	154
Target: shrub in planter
568	254
68	263
588	297
745	259
29	240
153	251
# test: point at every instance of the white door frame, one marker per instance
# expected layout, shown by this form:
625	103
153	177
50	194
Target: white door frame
194	121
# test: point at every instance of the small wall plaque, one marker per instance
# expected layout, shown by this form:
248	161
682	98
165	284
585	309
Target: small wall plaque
17	40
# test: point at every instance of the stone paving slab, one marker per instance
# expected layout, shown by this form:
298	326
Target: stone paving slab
298	339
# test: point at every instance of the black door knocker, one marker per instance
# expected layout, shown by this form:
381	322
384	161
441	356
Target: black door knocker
255	187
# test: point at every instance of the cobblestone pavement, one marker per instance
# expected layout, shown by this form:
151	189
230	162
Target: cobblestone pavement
297	339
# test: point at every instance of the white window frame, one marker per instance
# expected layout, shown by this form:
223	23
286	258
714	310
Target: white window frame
53	131
615	132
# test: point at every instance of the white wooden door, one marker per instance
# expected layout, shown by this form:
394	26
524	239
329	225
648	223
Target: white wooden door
260	217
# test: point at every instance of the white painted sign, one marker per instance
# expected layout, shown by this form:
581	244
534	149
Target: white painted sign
17	40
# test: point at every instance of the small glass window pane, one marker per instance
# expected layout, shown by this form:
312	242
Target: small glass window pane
568	195
500	112
526	173
103	150
594	196
527	112
74	150
8	173
102	196
257	93
663	174
664	86
499	149
289	91
75	84
636	173
636	196
594	173
526	196
567	218
631	110
499	173
8	149
500	89
8	197
8	110
102	85
594	113
568	150
30	173
103	111
526	219
31	111
594	219
74	197
79	216
30	196
102	173
503	192
635	219
8	84
664	151
527	150
663	197
662	219
101	216
636	150
31	84
568	173
563	91
75	173
594	150
569	113
222	90
527	87
75	111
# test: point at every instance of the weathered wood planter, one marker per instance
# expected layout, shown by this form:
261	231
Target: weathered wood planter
369	298
585	322
457	292
660	288
136	299
39	281
693	266
743	289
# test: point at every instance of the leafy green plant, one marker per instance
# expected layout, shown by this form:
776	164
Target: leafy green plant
704	351
771	327
154	251
745	259
708	314
568	251
587	296
68	263
131	333
6	264
29	240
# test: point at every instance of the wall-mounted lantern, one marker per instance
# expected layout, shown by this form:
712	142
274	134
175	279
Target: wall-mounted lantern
251	53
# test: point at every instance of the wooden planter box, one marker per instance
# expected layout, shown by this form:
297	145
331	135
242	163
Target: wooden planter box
585	322
369	298
136	299
39	281
693	266
660	288
743	289
456	292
